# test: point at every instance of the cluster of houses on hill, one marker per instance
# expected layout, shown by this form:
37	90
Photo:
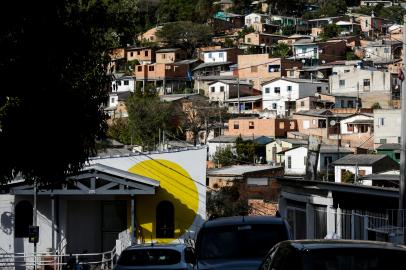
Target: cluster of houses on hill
281	103
343	91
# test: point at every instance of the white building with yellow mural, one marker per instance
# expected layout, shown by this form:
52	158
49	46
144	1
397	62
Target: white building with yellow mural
156	196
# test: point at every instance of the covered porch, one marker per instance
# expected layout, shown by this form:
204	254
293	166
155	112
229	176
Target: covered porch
86	213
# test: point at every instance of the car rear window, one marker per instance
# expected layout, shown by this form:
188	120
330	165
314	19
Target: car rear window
243	241
154	256
354	259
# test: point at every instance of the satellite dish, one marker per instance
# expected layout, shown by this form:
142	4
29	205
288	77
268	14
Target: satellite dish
332	123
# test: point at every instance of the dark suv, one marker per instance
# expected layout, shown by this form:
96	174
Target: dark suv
239	242
334	255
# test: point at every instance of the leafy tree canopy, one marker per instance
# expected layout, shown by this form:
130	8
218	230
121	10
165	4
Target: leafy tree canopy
226	201
330	31
53	67
185	34
281	50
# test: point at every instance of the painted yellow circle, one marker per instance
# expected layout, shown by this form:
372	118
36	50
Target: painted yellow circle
176	186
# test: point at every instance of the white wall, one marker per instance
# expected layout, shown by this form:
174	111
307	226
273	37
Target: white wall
251	19
215	57
344	126
119	85
354	81
298	90
337	171
217	95
390	130
306	51
113	100
298	161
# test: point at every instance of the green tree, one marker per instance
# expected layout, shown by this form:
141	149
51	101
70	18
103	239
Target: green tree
185	34
226	201
119	130
147	115
281	50
348	177
245	150
330	31
332	8
288	30
53	64
175	10
287	7
376	105
224	157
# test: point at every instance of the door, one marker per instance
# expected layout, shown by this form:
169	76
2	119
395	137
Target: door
114	221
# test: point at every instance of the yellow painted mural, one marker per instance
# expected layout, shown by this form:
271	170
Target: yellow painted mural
177	187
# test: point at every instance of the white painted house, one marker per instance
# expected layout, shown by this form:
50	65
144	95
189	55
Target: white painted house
362	165
254	18
358	123
296	158
123	84
280	95
219	91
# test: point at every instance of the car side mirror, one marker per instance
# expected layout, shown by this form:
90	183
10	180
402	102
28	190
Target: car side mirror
190	256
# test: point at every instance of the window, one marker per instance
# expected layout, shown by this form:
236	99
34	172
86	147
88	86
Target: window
150	68
267	90
112	100
397	156
221	55
210	55
289	88
292	125
361	172
274	68
277	90
382	141
139	68
248	40
251	125
322	123
274	106
367	82
236	125
346	70
146	53
165	220
350	104
131	54
289	162
138	53
350	127
386	50
342	83
119	83
304	160
302	103
399	140
167	67
315	52
303	50
263	181
381	121
163	56
254	69
291	73
22	219
281	125
221	88
126	82
212	89
318	89
342	103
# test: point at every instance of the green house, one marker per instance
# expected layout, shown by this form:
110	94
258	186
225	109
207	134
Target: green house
390	149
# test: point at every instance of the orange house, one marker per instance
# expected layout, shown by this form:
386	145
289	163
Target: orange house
253	126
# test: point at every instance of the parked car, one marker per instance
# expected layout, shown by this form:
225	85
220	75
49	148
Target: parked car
239	242
334	255
150	257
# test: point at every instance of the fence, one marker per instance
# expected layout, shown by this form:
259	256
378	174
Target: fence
104	260
360	225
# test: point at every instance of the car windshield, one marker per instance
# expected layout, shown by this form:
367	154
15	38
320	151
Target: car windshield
243	241
136	257
354	259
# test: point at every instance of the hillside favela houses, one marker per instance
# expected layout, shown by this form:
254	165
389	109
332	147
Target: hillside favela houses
298	106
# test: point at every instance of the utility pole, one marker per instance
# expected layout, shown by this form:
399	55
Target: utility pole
34	222
238	93
402	184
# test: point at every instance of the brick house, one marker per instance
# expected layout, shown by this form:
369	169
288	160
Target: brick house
259	68
170	55
252	126
144	55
